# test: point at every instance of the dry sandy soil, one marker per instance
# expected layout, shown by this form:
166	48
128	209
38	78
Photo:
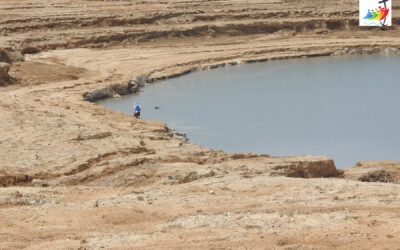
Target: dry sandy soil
77	175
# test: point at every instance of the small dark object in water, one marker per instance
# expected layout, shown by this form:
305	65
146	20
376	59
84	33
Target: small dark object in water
377	176
156	107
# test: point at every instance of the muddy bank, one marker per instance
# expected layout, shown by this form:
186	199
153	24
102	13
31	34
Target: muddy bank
133	86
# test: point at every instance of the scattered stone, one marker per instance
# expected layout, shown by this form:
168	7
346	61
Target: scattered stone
156	107
211	191
390	51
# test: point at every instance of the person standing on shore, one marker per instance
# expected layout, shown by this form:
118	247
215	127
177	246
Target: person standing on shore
136	110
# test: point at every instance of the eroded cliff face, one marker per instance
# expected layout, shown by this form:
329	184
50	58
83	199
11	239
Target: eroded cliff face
77	175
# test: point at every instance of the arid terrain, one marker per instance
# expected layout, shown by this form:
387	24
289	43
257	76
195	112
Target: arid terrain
76	175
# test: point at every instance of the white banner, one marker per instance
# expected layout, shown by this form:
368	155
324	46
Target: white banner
375	12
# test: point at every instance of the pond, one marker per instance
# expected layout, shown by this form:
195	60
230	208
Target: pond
347	108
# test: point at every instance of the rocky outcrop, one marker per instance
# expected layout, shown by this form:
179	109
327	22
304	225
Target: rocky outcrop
121	89
140	80
5	79
308	169
117	89
98	94
9	56
125	89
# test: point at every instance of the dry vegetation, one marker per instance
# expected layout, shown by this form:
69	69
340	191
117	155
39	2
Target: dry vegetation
377	176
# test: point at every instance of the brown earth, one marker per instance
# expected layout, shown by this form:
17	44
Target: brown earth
77	175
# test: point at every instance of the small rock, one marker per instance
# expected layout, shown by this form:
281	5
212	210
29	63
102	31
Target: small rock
182	136
36	202
18	194
140	198
156	107
5	79
140	80
133	87
192	176
211	191
39	183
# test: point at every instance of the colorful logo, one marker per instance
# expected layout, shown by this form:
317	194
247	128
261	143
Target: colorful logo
378	16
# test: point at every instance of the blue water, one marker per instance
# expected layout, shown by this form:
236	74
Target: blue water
347	108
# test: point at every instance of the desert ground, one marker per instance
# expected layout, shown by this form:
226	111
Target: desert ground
76	175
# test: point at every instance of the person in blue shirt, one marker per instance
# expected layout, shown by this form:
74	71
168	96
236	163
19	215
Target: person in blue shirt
136	110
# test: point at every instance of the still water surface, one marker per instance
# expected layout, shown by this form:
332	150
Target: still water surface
347	108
